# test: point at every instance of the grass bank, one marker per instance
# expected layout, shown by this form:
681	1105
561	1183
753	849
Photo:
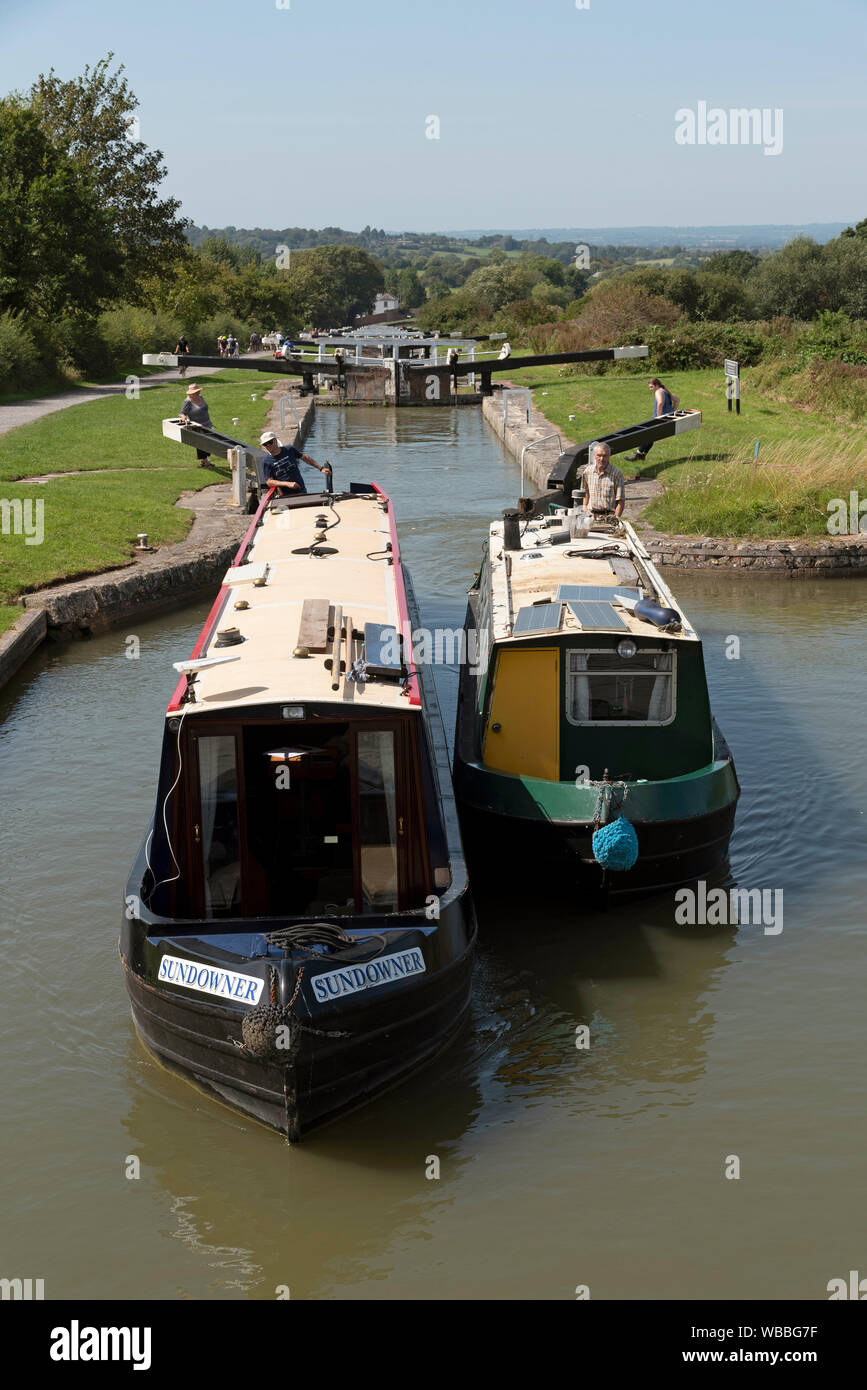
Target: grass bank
807	455
91	516
9	615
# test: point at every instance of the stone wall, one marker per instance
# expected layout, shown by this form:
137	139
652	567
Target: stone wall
829	557
517	431
19	641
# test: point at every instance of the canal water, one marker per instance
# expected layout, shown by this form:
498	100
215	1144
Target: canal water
711	1048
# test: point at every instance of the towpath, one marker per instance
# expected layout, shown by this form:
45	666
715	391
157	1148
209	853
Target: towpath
25	412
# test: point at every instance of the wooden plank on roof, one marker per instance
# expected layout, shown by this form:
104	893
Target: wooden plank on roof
315	621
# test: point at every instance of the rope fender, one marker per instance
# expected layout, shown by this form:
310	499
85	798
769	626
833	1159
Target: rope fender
614	843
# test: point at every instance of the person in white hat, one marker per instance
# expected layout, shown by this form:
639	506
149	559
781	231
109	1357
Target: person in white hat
281	467
194	411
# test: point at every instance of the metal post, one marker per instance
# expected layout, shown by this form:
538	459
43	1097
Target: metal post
737	395
508	392
283	400
238	463
471	379
532	445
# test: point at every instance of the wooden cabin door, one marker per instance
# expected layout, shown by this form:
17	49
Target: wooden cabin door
523	730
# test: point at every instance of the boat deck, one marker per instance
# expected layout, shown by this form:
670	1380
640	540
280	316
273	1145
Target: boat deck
607	562
304	555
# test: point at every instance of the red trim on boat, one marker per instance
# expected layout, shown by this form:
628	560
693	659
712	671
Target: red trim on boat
219	601
402	605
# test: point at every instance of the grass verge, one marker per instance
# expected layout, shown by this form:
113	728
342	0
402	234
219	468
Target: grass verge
90	519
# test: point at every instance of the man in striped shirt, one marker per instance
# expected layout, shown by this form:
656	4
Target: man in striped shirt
604	483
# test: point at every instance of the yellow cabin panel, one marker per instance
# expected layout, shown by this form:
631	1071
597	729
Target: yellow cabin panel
526	706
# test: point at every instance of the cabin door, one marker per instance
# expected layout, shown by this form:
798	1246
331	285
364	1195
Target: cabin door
523	730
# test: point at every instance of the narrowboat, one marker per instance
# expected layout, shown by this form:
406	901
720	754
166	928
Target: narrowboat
298	932
585	746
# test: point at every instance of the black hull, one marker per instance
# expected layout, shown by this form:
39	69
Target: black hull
337	1059
670	853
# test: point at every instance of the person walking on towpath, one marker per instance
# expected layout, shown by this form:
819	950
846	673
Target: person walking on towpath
182	347
604	483
194	411
664	403
282	469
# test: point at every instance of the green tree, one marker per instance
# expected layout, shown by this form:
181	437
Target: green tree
91	120
329	285
736	262
406	284
498	285
721	297
793	281
57	253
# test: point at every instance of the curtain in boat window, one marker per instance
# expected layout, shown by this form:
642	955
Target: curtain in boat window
218	795
603	687
580	687
377	795
659	705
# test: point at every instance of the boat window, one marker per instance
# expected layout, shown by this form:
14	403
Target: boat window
377	798
218	792
605	688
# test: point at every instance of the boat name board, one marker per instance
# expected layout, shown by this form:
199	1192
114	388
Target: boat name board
356	978
227	984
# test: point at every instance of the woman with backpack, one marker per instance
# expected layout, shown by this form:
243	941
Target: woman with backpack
664	403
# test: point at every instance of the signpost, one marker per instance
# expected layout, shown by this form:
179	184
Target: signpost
733	383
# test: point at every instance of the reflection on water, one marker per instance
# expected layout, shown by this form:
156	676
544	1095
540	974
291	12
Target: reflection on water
558	1165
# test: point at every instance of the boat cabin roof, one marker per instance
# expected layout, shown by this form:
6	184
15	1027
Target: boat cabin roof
581	581
284	591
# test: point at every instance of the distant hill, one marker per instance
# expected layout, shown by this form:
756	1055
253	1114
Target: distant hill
711	238
682	245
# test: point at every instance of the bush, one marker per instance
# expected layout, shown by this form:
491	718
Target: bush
834	337
21	366
693	345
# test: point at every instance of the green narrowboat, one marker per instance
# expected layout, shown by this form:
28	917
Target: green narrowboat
584	727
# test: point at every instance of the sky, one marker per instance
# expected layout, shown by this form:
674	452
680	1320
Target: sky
431	114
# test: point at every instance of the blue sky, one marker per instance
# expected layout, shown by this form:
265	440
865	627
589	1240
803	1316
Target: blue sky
549	115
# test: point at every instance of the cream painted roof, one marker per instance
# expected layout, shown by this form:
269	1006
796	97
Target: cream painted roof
267	671
534	573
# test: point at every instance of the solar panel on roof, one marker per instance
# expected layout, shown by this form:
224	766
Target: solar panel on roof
598	616
565	592
540	617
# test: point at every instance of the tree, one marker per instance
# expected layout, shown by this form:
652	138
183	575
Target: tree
91	120
407	286
331	284
736	262
498	285
793	282
721	297
57	254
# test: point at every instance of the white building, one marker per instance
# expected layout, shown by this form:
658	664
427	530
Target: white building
385	303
